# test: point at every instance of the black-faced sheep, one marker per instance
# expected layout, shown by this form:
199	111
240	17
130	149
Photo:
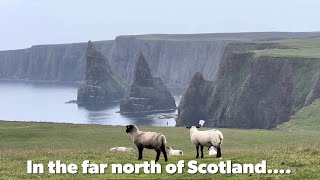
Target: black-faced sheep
173	152
206	138
149	140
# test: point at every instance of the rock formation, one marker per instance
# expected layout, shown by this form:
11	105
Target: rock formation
146	93
251	91
193	102
174	58
102	85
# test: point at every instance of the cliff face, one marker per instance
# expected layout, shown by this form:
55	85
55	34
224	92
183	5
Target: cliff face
102	85
174	58
146	93
173	61
62	62
253	91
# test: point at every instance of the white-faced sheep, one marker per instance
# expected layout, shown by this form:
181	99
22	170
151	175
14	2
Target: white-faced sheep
173	152
212	151
206	138
121	149
149	140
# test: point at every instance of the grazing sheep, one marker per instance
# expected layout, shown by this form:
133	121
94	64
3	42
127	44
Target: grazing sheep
149	140
212	151
121	149
173	152
206	138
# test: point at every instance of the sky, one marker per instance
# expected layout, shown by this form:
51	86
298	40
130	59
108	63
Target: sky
24	23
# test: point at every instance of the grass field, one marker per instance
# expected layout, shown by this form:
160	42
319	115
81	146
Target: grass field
44	142
303	48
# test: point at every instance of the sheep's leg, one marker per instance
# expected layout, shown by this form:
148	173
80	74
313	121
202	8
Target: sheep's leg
163	149
140	149
197	148
218	151
201	148
158	154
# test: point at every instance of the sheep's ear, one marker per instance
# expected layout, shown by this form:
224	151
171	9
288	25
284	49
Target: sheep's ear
188	127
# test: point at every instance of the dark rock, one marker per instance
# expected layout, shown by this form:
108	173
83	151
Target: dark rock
192	105
251	91
102	85
142	73
71	102
147	93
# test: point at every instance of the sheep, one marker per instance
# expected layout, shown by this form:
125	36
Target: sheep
173	152
121	149
149	140
212	151
206	138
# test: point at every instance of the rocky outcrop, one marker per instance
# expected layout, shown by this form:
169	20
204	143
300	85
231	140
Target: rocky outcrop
102	85
252	91
146	93
192	104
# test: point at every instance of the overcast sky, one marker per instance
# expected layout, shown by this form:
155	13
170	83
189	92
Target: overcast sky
24	23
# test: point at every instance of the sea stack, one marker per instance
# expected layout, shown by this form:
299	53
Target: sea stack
102	85
146	93
193	103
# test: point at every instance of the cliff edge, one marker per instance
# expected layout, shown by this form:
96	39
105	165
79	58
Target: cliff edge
258	85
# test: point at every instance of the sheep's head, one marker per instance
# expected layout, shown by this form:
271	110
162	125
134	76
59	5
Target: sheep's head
169	148
129	128
192	130
189	127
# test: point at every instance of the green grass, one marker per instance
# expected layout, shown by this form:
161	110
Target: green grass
307	119
306	48
44	142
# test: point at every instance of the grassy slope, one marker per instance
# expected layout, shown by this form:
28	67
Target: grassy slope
42	142
307	118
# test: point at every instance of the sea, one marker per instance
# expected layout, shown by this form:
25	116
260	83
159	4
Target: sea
46	102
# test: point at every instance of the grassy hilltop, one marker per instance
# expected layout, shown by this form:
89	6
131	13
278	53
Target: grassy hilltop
44	142
303	48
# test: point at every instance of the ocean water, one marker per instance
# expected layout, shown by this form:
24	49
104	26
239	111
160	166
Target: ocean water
46	102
